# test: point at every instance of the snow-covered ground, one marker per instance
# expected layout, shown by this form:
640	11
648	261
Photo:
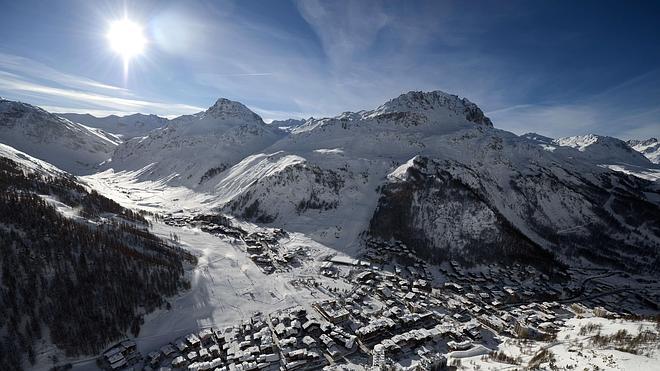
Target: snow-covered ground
574	349
226	288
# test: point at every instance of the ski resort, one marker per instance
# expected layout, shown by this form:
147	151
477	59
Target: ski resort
336	185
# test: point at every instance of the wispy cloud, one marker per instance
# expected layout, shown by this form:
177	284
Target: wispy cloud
628	109
552	121
91	111
345	74
36	70
243	74
320	58
345	28
45	84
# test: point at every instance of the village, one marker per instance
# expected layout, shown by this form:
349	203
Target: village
385	309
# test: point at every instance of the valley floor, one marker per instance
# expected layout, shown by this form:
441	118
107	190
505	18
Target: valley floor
455	322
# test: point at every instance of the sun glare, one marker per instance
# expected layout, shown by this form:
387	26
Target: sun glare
126	38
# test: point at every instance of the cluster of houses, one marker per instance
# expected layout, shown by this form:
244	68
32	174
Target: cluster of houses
246	346
214	224
393	310
262	247
306	341
266	253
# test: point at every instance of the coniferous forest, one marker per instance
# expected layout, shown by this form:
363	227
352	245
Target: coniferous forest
82	282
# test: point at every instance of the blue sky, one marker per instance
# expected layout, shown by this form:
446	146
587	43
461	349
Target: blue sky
553	67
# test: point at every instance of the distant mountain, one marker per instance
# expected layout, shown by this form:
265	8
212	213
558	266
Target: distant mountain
604	149
125	127
538	138
70	146
289	124
192	148
78	270
649	148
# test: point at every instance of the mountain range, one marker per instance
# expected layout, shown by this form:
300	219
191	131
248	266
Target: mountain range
426	168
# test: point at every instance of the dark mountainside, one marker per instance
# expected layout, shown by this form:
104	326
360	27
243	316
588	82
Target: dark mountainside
81	283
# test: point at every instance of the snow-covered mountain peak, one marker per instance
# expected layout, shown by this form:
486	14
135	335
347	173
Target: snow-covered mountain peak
227	109
70	146
581	142
649	148
223	135
16	109
643	142
126	127
432	104
538	138
603	149
289	124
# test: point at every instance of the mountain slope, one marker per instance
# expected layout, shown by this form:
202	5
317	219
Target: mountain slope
287	125
425	168
335	178
69	146
125	127
78	270
193	148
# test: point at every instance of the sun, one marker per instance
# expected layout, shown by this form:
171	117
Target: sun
126	38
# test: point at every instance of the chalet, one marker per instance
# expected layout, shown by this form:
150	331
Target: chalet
129	346
409	296
494	322
181	345
344	260
510	291
214	350
295	365
422	285
113	352
332	311
297	354
115	358
192	356
268	358
118	364
205	334
386	292
309	342
167	350
254	249
193	340
179	362
154	358
374	328
454	287
461	345
364	276
310	325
